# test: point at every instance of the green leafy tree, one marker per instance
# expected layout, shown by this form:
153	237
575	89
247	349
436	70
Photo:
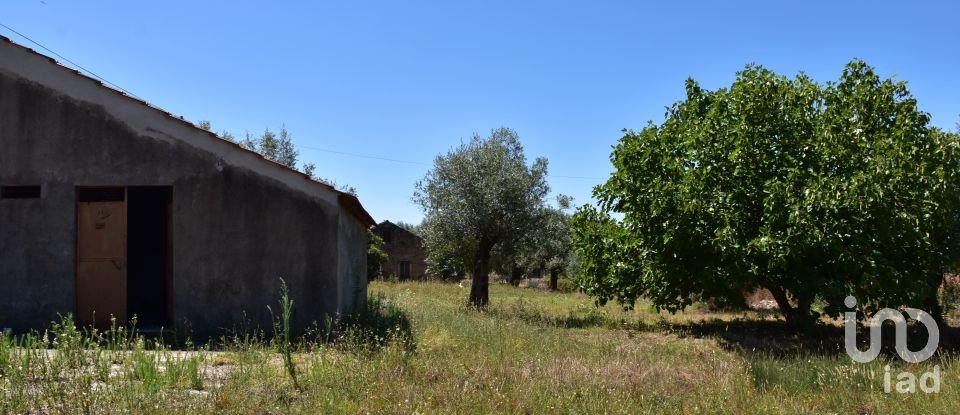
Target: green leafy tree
545	247
809	190
448	256
286	153
274	146
508	259
250	142
279	147
310	170
478	196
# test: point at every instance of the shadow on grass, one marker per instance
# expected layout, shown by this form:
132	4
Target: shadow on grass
534	315
779	339
377	325
773	338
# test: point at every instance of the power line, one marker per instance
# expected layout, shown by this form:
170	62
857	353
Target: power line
104	80
365	156
326	150
418	163
575	177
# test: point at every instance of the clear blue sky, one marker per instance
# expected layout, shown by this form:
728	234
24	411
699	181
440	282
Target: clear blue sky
407	79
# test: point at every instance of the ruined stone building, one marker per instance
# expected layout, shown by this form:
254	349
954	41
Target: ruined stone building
406	258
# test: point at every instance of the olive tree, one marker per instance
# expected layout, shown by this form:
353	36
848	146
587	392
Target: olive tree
277	147
477	196
813	191
548	246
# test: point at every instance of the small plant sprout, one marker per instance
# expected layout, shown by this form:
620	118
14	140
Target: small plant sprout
282	332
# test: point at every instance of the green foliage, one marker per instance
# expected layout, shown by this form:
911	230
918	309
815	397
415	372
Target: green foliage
274	146
309	169
346	188
478	196
195	372
416	229
547	246
146	367
809	190
446	258
184	371
279	147
283	333
375	255
226	135
6	344
378	325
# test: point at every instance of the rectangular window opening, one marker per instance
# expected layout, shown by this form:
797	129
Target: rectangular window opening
101	194
19	192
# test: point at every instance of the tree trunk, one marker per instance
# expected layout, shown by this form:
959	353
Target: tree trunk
932	303
515	274
480	288
554	276
795	316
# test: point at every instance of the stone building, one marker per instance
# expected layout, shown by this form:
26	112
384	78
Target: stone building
110	206
406	258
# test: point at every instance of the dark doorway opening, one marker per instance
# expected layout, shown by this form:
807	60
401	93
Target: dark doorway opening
148	253
404	270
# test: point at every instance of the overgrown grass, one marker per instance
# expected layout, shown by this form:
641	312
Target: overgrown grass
416	348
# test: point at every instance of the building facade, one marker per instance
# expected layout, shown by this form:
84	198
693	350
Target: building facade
406	258
112	207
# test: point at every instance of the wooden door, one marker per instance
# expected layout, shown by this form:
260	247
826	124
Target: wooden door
101	263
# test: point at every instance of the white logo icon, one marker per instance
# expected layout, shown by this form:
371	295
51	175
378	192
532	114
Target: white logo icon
906	381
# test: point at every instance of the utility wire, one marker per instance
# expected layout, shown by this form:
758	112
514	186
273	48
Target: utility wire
70	62
365	156
344	153
575	177
325	150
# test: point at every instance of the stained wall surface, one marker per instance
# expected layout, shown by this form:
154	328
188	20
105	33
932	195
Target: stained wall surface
238	223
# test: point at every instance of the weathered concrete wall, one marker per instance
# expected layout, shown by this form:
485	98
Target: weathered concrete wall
352	263
238	223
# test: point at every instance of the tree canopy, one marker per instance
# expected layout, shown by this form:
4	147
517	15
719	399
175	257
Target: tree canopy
479	195
278	147
275	146
813	191
548	246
